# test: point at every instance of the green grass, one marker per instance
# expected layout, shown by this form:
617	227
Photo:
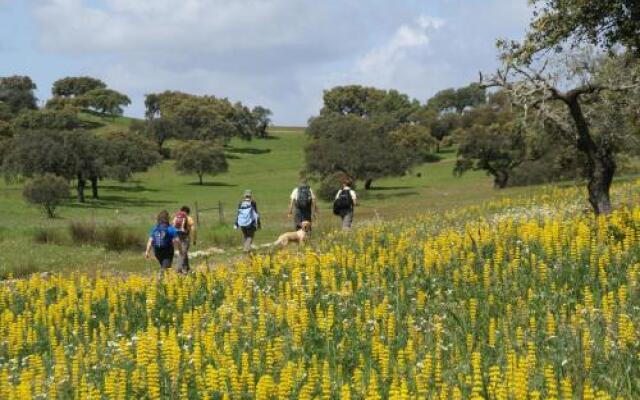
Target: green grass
270	167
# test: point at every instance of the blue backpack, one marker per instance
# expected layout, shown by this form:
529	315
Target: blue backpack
160	236
246	215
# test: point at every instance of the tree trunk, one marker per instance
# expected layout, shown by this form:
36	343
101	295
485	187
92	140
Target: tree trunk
601	165
600	178
94	186
81	185
367	184
200	178
500	179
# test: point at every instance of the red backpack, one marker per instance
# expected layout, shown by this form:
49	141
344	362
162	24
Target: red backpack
180	221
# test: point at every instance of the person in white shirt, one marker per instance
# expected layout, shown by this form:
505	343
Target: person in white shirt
302	204
344	204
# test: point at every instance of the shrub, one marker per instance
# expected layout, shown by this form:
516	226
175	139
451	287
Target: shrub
19	270
329	186
116	238
48	192
83	232
47	236
225	239
447	141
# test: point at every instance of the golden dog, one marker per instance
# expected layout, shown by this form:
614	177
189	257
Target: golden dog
300	236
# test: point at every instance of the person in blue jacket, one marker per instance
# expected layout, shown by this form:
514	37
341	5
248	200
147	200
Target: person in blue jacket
163	239
248	220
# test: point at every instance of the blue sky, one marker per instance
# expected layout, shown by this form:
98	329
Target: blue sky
277	53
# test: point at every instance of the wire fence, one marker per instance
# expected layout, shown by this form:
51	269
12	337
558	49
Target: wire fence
219	208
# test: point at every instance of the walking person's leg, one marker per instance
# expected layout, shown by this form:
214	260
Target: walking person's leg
306	216
183	261
248	234
297	219
165	258
347	220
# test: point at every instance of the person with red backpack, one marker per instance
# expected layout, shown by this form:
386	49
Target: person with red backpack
186	228
163	239
344	204
302	204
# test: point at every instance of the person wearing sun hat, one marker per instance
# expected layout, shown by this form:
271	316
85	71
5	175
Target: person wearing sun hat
247	219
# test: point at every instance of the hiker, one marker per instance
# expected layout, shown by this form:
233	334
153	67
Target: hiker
186	228
302	205
163	237
344	204
247	219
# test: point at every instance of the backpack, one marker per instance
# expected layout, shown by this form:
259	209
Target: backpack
160	237
246	215
180	221
303	202
342	203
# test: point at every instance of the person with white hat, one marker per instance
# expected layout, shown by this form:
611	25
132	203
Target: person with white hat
247	219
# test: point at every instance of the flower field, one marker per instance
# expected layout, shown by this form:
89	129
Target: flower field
526	298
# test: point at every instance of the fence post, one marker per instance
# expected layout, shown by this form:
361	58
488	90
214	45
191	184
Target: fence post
220	212
197	216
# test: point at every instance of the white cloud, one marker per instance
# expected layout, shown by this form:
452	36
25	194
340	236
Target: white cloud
197	30
278	53
383	60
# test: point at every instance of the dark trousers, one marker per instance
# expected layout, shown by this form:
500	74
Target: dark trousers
248	232
299	216
164	255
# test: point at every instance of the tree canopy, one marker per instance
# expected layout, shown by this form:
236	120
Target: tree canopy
79	155
605	23
126	153
365	133
104	101
457	99
495	148
75	86
47	119
17	93
573	94
368	101
86	93
195	157
262	118
202	117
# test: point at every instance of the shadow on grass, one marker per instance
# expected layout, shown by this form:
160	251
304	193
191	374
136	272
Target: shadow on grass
382	196
383	188
246	150
91	124
132	189
269	137
212	184
433	158
114	202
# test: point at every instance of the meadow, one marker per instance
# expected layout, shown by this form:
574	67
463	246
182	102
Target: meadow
525	297
29	242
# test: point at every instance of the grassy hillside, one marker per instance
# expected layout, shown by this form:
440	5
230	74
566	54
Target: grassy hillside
522	298
269	167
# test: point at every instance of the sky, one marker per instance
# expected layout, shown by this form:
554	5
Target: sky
280	54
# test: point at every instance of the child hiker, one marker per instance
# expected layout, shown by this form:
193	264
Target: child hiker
163	238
